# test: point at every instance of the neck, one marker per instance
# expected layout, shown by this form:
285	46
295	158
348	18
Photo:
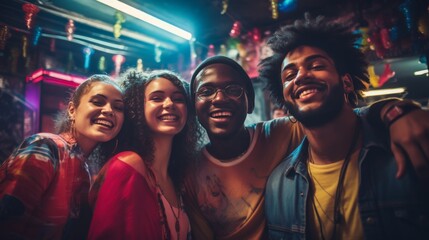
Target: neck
162	153
227	149
85	146
331	142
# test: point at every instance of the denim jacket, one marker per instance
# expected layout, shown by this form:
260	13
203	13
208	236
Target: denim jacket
389	208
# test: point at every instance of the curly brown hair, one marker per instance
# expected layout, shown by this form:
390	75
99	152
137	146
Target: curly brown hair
139	139
336	39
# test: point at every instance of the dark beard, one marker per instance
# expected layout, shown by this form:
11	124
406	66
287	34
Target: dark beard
329	109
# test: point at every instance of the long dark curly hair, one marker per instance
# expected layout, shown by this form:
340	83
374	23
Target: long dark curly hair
336	39
138	137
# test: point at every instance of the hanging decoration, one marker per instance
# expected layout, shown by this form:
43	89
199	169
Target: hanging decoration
139	65
52	45
158	53
385	38
373	78
376	44
70	27
236	29
256	35
24	46
223	50
4	35
87	53
118	25
36	35
288	5
118	60
224	6
102	64
274	9
386	75
30	13
211	51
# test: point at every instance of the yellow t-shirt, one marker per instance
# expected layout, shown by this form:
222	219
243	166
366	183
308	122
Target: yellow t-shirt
324	180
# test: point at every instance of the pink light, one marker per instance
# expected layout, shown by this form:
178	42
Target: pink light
55	77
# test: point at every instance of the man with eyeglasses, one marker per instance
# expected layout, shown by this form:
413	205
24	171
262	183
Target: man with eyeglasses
224	190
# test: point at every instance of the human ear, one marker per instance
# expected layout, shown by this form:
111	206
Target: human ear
71	110
347	83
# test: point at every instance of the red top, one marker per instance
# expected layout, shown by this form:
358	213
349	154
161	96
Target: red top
44	188
125	205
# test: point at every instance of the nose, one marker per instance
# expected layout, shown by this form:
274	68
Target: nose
168	103
219	95
302	74
107	110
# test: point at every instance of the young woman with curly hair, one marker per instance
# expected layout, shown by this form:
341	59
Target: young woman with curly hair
137	194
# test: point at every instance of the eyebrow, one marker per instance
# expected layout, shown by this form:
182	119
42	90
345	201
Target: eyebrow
161	91
309	58
105	97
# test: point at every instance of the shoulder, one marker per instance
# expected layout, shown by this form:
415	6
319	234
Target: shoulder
133	160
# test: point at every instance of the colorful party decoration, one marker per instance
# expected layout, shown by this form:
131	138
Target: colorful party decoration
4	35
256	35
386	75
87	52
118	25
274	9
36	35
102	64
139	65
222	50
235	30
224	6
24	46
118	60
385	38
373	78
211	51
70	27
30	13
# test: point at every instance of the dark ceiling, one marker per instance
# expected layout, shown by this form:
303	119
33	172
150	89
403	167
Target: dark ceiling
94	22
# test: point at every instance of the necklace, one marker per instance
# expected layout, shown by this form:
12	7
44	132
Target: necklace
179	209
339	191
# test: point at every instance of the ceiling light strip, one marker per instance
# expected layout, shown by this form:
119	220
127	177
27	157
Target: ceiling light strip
147	18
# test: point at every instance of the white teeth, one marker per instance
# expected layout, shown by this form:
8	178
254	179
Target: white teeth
169	117
306	92
104	123
221	114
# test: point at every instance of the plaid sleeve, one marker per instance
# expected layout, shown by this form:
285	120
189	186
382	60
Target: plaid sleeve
27	173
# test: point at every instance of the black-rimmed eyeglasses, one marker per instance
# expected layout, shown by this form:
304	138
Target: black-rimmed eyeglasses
209	92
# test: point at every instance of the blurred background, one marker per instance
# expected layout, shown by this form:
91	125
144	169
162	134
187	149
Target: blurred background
47	47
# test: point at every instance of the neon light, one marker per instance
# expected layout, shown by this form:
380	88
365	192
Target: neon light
54	77
147	18
379	92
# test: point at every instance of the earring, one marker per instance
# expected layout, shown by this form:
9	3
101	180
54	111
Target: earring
291	118
352	98
72	127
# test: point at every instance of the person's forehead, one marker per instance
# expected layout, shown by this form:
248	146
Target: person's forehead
219	73
304	53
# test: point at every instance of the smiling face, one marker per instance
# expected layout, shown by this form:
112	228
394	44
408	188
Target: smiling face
312	88
99	115
221	116
164	107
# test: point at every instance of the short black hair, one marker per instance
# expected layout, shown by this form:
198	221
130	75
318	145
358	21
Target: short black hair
233	64
336	39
